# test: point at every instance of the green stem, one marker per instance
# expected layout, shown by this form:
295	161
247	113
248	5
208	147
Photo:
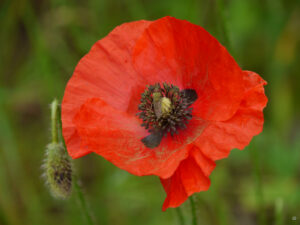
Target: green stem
60	127
79	193
258	186
279	212
54	119
82	201
180	216
193	208
223	23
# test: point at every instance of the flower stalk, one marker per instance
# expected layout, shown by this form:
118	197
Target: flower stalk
81	199
193	210
57	164
58	169
54	114
180	216
258	186
224	25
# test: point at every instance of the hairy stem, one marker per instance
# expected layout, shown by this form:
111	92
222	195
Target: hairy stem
279	217
258	186
224	25
54	119
82	201
180	216
193	210
83	204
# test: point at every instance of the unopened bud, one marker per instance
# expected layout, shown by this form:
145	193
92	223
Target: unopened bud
58	171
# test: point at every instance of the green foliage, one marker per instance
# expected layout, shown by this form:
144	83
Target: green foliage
41	43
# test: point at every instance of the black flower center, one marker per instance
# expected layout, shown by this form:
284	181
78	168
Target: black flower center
165	109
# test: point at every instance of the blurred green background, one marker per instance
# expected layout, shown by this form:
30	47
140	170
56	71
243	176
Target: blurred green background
41	42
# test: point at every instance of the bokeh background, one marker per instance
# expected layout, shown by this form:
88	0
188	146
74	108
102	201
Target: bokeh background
41	42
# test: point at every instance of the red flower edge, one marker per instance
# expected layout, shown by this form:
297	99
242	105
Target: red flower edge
215	143
102	97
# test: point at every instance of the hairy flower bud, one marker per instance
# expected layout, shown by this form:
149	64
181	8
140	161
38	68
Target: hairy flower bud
58	171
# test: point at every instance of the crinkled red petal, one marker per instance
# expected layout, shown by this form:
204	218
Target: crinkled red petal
184	54
101	100
216	142
116	136
106	72
219	138
191	176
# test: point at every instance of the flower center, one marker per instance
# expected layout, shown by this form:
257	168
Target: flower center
165	109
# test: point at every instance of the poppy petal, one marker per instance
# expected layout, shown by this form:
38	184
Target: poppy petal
117	136
220	137
106	72
102	97
184	54
191	176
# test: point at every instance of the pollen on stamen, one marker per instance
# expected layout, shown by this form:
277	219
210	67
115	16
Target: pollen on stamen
164	109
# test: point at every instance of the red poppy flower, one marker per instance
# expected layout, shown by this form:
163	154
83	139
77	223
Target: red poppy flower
162	98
